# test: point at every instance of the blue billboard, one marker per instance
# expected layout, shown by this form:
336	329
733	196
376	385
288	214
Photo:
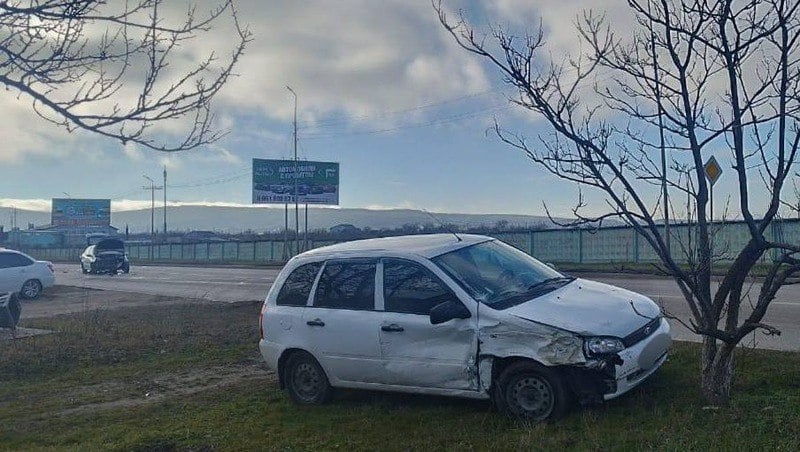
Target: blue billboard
80	214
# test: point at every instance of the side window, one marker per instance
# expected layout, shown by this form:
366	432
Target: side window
347	285
18	260
411	288
6	260
298	285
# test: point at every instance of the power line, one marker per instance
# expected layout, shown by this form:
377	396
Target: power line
350	119
430	123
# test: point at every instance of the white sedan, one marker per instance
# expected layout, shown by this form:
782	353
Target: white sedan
22	274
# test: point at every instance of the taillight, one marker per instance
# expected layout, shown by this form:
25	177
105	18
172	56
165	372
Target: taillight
261	320
50	266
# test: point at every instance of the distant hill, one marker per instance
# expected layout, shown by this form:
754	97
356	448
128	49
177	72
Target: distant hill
238	219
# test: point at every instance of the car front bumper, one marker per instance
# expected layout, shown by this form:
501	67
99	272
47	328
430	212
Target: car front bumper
641	360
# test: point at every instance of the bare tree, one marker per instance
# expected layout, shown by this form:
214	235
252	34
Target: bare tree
112	67
708	74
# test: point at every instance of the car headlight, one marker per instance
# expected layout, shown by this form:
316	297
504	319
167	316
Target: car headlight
602	345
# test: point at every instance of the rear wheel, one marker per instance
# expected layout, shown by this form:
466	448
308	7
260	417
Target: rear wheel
531	392
31	289
306	381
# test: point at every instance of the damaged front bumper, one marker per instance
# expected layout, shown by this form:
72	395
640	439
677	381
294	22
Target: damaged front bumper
641	360
609	378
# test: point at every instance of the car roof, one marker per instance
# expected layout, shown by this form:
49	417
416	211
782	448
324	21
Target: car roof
425	245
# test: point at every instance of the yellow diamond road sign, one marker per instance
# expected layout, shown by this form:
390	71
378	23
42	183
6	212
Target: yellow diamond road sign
713	170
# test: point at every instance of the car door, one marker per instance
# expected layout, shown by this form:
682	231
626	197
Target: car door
341	324
8	274
16	269
415	352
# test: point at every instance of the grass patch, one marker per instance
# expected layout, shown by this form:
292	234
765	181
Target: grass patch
188	377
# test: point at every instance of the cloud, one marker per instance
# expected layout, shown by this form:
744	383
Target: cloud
356	57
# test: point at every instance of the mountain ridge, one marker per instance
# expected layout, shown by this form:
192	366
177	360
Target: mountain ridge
240	219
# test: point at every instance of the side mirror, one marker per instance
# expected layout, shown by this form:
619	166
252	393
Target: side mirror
448	310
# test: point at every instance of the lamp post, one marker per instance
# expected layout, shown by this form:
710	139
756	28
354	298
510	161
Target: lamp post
152	189
296	206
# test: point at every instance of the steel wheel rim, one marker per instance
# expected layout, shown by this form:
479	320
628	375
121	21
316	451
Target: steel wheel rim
30	289
306	381
532	396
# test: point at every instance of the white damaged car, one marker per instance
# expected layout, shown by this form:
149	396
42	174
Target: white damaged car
465	316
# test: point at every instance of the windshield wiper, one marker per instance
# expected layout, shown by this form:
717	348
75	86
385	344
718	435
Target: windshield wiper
565	279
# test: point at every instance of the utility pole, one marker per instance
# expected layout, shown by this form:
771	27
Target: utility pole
152	189
165	200
296	206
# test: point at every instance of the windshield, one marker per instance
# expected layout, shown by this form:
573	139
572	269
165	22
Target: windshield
500	275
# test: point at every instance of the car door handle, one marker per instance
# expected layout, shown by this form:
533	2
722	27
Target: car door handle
393	328
315	322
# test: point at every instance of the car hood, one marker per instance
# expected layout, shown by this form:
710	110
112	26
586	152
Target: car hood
589	308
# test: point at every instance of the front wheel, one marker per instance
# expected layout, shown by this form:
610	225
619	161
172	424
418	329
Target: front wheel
531	392
31	289
306	381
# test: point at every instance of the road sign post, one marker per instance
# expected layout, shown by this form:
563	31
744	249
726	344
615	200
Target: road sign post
713	171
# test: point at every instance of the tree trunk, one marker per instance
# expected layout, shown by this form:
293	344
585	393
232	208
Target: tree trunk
717	375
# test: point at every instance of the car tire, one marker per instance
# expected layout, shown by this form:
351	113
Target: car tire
530	392
306	381
126	268
83	269
31	289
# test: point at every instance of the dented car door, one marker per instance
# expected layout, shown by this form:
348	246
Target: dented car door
338	326
416	353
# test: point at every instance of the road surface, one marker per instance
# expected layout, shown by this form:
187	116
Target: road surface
227	284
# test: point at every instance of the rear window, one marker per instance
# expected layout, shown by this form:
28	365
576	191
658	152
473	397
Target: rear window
347	285
297	287
109	244
11	260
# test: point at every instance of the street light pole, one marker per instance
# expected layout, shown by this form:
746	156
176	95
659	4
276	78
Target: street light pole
296	206
165	200
152	189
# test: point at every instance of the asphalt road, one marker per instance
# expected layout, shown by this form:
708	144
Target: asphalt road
241	284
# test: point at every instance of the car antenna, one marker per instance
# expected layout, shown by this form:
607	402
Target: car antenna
442	225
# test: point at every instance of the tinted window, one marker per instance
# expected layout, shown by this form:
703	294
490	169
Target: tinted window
109	244
298	285
5	260
411	288
347	285
8	260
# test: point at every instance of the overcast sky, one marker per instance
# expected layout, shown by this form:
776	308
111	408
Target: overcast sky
382	89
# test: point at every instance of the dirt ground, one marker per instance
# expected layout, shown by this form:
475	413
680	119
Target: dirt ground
115	338
59	300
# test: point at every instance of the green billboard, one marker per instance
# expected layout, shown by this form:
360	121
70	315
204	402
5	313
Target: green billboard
274	182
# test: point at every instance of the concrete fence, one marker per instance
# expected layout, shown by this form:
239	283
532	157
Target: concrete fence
606	245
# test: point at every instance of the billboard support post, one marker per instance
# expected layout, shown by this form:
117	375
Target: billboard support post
286	231
305	238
